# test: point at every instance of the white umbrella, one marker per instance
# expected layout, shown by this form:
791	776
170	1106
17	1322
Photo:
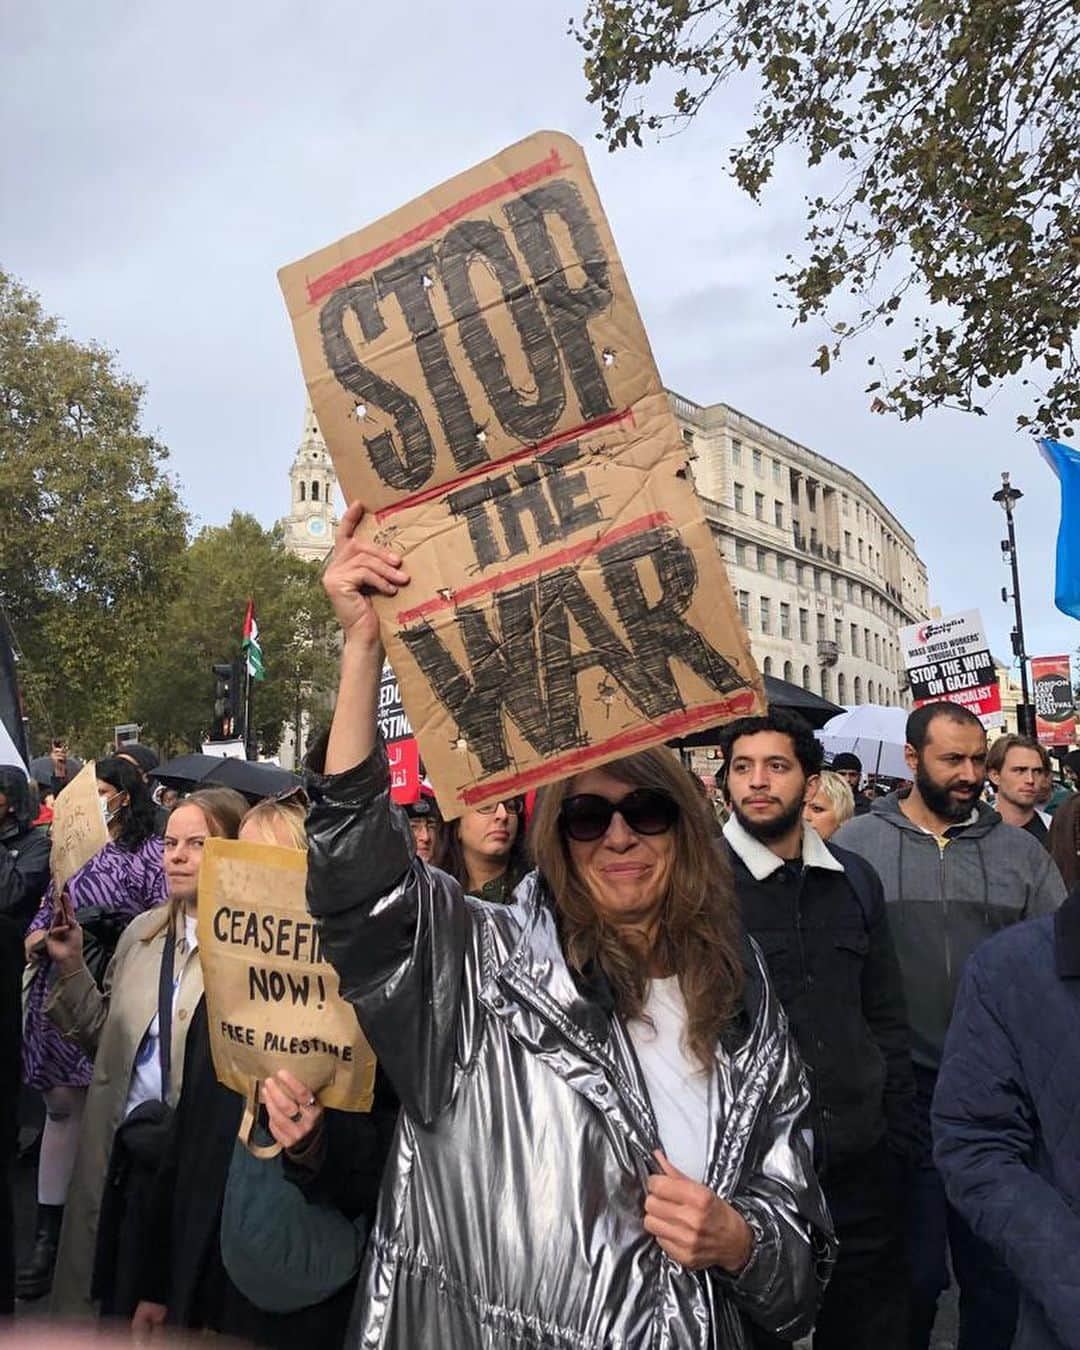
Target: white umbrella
875	733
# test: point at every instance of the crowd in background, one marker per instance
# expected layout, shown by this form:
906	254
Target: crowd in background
589	1121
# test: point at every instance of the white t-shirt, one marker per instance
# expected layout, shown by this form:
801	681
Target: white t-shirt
683	1096
146	1073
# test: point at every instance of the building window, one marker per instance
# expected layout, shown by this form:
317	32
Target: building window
789	671
778	515
854	639
766	666
847	543
851	591
862	555
688	436
867	646
765	615
869	691
841	689
762	559
800	573
825	692
804	625
757	462
744	608
776	471
821	627
785	620
303	490
759	506
740	552
838	634
736	451
806	677
737	496
314	492
877	648
813	539
837	587
858	689
845	504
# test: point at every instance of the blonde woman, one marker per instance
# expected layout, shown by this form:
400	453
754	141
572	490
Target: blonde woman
119	1029
831	806
334	1157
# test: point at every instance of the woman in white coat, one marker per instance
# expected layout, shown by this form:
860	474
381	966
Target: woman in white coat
118	1027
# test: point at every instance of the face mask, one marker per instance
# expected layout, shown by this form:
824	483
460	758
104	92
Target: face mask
106	815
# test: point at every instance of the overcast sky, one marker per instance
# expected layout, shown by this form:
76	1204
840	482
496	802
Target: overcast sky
161	162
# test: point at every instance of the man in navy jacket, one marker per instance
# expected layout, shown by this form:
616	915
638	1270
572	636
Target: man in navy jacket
1006	1116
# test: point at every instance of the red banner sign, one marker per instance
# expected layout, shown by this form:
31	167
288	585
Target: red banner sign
1055	710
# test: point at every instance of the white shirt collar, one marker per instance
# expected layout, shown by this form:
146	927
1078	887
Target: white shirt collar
761	862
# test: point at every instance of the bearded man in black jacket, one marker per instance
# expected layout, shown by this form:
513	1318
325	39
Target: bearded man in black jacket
818	914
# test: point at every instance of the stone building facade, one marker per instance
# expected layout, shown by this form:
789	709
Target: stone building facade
823	572
311	522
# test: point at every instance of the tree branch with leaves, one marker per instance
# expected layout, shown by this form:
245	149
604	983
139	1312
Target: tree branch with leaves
953	132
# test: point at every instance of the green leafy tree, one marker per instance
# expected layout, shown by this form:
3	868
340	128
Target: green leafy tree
949	137
91	525
223	568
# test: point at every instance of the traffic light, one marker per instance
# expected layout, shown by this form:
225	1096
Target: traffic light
224	727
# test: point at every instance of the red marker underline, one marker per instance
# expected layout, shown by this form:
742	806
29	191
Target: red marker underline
344	272
573	553
526	451
689	720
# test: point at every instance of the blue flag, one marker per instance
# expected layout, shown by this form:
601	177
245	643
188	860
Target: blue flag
1065	462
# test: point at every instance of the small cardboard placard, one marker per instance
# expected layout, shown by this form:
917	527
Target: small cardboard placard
79	832
486	388
272	999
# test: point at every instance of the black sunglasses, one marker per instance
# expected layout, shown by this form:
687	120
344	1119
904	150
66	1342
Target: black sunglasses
587	817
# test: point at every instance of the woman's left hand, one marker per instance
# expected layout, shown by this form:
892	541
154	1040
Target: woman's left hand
693	1224
293	1113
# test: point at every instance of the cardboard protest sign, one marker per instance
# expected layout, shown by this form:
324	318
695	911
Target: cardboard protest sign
78	832
1055	707
272	999
485	386
949	659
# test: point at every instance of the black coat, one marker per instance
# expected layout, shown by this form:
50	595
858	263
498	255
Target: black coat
24	872
832	962
1007	1116
184	1270
11	969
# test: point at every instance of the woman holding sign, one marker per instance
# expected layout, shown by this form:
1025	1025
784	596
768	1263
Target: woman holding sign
604	1138
123	880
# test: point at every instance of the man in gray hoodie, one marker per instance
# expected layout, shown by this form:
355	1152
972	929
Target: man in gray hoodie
953	874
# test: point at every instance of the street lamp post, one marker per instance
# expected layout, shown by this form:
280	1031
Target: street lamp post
1006	497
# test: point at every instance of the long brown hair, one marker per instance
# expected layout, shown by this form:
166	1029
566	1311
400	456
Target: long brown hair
1065	840
699	931
223	809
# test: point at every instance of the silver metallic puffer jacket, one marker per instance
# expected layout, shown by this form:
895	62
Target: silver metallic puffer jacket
511	1210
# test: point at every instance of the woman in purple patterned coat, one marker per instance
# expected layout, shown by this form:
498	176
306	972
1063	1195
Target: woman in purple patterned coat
126	876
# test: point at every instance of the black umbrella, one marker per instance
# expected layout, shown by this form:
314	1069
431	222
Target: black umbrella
253	779
184	770
42	769
778	694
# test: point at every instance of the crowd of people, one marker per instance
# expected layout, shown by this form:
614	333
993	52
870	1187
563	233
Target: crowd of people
646	1077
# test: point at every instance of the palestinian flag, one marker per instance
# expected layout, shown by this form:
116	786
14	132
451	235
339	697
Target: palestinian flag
250	646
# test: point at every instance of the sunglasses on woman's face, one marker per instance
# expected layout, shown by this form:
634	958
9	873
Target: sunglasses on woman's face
513	807
587	817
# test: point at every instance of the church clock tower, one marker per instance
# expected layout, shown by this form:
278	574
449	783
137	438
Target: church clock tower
311	522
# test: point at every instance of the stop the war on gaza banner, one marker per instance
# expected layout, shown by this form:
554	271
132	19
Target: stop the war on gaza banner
1055	708
949	659
483	381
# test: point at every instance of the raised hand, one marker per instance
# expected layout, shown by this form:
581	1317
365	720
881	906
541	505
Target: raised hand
693	1224
64	939
356	571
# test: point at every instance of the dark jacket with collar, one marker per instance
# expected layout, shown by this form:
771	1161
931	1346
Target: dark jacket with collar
827	944
1006	1116
24	871
944	899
